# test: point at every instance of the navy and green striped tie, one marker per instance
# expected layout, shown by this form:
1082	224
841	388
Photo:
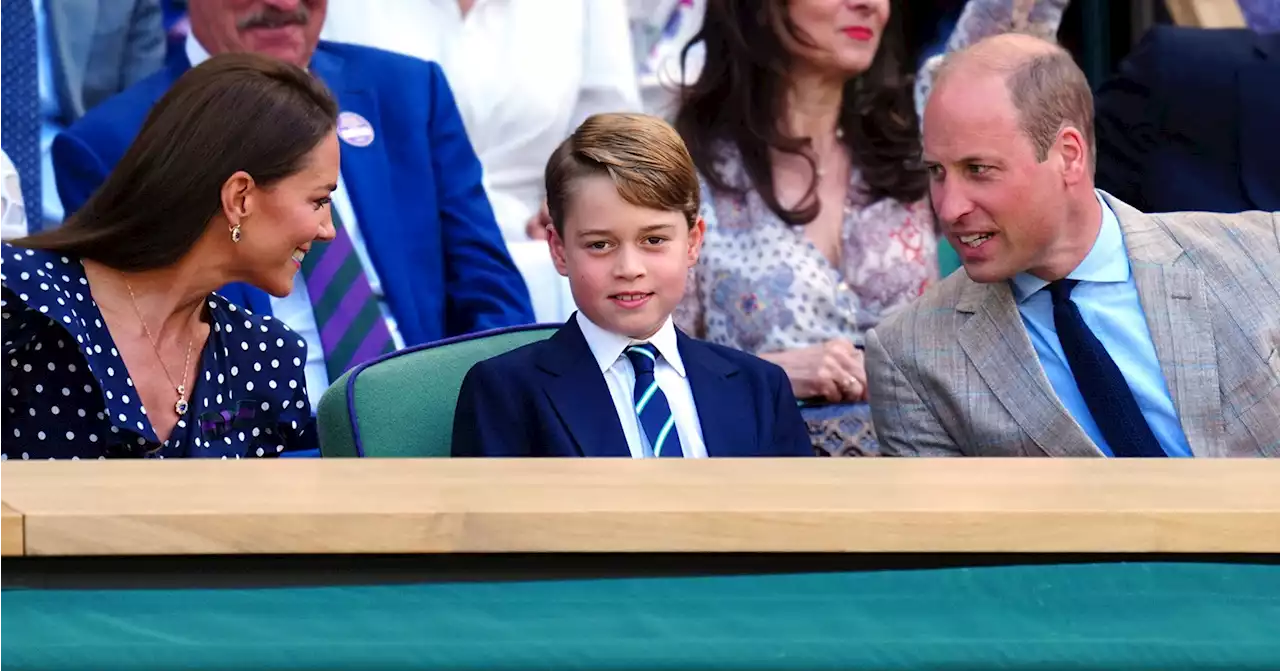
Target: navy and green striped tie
651	404
352	328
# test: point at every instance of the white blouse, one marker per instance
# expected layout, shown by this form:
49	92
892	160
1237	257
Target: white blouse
13	213
525	73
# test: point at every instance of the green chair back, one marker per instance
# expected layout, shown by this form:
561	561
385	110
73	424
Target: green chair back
401	405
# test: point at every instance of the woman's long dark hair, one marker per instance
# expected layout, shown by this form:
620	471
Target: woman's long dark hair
234	112
739	97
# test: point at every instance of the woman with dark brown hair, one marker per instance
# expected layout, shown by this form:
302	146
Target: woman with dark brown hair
115	343
804	129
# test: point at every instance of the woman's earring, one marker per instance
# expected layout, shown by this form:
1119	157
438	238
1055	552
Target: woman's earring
235	233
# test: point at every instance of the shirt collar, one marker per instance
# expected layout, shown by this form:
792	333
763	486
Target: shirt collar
1107	261
196	53
607	346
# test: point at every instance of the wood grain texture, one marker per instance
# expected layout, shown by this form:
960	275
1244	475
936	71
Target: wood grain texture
493	506
1206	13
11	533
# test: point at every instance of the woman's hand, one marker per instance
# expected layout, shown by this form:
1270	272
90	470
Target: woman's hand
833	370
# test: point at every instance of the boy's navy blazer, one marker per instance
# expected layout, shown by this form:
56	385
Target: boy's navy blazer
549	399
416	189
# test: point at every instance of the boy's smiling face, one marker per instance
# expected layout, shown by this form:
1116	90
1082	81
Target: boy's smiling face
627	265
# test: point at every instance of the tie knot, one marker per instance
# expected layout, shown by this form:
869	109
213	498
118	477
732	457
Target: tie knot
643	357
1061	290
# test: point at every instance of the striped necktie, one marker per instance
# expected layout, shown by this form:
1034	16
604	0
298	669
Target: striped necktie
352	328
20	101
651	404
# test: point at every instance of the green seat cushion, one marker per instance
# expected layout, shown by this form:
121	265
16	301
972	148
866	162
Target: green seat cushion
402	405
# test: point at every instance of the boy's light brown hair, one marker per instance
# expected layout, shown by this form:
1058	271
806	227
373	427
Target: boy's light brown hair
642	154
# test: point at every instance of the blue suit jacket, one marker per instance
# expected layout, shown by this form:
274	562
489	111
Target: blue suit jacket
549	399
416	190
1189	122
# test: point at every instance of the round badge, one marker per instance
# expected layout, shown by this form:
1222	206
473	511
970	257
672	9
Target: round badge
354	129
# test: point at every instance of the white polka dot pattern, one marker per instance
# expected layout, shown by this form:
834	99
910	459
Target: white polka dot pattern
69	395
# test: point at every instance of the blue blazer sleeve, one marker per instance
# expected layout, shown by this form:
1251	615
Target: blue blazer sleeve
488	421
791	435
78	170
483	286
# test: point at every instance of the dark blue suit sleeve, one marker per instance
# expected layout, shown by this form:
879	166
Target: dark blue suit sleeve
483	287
1127	111
791	436
487	421
78	170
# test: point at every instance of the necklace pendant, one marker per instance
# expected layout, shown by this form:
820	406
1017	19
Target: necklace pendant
181	405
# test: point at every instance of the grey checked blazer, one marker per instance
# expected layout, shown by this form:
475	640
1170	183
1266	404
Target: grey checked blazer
954	374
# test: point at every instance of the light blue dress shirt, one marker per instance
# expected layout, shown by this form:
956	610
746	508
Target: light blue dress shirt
1107	298
50	124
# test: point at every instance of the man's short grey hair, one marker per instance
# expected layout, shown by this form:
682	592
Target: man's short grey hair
1048	90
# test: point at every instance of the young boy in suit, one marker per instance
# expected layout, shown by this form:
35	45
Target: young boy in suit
618	379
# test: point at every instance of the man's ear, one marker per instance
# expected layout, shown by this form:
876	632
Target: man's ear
1074	151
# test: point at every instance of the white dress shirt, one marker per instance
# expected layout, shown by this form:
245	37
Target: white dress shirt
295	309
524	73
609	350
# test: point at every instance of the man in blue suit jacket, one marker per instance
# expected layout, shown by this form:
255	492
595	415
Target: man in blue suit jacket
410	192
1189	122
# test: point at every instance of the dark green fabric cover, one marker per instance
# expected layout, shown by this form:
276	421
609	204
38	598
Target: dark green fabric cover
1089	616
404	405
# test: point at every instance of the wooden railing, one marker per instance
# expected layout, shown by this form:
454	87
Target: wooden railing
1206	13
496	506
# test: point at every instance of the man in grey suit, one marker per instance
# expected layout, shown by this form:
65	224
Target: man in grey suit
90	50
1078	326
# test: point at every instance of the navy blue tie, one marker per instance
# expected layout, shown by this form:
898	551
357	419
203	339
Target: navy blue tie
20	101
1110	401
651	404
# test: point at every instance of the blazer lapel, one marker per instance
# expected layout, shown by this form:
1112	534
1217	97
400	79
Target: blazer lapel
580	396
1259	89
996	343
721	404
366	171
1175	301
70	49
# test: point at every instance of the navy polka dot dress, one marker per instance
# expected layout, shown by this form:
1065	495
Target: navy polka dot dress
67	394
